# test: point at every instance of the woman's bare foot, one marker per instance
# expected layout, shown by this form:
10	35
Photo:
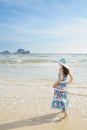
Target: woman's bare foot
65	114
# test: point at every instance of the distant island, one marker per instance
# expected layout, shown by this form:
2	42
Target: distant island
19	51
22	51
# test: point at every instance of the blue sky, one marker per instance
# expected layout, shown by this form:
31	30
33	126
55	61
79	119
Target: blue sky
44	26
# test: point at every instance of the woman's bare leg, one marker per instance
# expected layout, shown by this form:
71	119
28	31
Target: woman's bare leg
65	114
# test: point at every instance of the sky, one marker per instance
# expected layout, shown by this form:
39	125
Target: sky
44	26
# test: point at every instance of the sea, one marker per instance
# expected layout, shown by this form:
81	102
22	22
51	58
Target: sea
35	67
18	73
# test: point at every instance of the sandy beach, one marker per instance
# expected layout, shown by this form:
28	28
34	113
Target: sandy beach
29	108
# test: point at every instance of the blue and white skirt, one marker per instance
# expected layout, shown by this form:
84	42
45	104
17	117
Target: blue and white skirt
60	98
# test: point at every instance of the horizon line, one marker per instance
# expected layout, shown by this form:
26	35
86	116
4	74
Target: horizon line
44	52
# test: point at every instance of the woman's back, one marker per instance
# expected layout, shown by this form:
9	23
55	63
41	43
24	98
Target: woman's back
64	76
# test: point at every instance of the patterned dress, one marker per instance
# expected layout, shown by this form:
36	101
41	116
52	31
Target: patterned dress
60	98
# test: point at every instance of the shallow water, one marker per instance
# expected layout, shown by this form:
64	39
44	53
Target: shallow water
36	67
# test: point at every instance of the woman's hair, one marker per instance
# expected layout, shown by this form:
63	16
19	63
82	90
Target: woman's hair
65	71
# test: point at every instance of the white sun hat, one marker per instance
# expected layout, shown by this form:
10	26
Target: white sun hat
63	62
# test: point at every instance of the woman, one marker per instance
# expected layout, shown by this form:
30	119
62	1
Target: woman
60	98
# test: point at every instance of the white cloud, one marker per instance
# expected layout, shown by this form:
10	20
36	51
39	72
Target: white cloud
74	30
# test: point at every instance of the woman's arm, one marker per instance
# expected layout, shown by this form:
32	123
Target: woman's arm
71	78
